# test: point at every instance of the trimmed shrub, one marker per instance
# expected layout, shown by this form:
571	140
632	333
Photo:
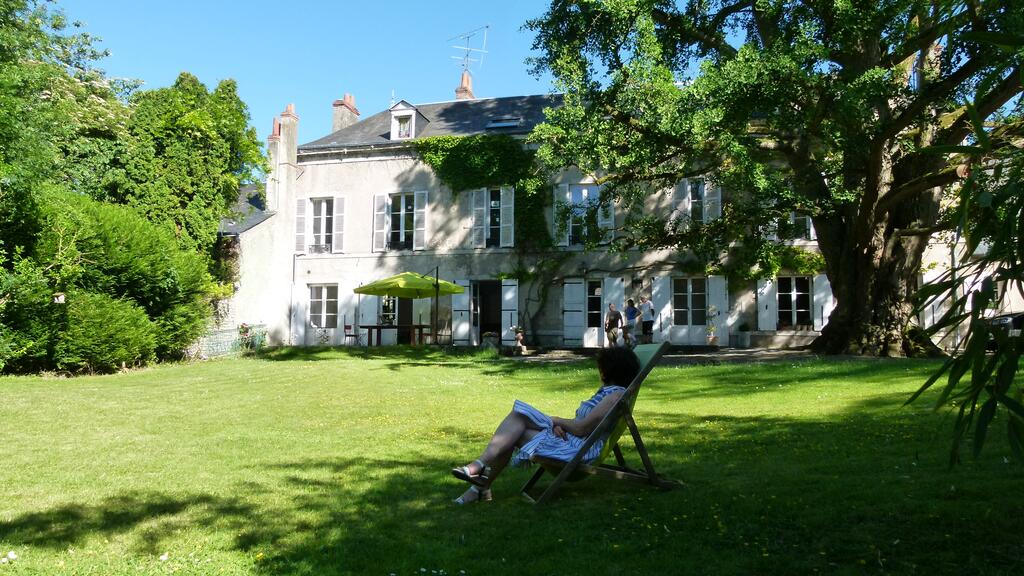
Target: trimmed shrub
103	334
112	250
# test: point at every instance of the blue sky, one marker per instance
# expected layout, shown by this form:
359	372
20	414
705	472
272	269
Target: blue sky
310	52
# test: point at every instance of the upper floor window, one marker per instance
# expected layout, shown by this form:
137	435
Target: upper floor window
323	305
694	201
323	225
319	225
399	221
585	217
493	217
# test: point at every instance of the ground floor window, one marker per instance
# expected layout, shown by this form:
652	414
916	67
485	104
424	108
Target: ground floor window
594	304
794	302
689	301
389	310
323	305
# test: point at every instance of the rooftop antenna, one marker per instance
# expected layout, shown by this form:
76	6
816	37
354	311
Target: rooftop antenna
392	96
467	58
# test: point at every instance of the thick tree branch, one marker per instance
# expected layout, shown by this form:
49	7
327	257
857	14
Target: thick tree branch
688	33
995	99
928	97
925	38
898	194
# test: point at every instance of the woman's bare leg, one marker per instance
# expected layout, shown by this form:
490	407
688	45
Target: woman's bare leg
515	430
497	463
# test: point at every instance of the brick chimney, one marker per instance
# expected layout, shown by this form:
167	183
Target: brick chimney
345	113
465	89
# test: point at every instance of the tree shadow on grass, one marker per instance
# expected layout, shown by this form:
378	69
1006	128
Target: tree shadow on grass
863	491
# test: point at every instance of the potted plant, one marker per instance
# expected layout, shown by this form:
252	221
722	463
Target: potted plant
489	339
520	345
743	335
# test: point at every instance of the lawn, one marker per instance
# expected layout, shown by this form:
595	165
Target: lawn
329	462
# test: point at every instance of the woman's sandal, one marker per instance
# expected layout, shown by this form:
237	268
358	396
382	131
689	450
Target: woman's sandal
482	495
481	478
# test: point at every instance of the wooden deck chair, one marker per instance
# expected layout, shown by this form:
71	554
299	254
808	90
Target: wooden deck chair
615	422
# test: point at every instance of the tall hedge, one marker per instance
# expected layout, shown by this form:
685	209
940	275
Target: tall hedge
103	334
111	263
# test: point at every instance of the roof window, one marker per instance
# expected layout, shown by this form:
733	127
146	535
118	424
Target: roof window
505	122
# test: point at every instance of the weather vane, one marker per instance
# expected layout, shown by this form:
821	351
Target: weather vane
468	51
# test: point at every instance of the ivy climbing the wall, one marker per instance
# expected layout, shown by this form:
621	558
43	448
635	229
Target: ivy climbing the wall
487	160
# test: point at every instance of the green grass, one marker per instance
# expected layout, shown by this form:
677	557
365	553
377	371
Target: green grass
325	462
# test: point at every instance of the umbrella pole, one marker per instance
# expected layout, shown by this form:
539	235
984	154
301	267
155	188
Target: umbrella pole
437	295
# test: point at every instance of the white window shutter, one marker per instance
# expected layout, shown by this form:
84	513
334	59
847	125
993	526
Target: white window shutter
509	310
605	217
419	219
823	301
508	217
810	227
300	225
479	198
381	209
562	196
338	241
712	203
767	304
681	200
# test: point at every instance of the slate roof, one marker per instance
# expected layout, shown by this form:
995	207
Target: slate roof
455	118
248	211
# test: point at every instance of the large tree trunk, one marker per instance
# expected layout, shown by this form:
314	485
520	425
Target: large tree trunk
874	267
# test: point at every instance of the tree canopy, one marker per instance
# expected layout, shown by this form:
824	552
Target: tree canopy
84	284
852	114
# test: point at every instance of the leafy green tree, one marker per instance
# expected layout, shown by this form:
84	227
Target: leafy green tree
186	153
850	113
990	220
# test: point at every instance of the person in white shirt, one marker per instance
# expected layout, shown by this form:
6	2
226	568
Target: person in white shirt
647	320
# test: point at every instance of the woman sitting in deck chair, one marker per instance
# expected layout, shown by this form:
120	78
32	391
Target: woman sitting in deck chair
535	433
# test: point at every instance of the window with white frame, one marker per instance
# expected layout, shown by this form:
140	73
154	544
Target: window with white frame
581	199
689	301
794	294
323	305
493	217
323	225
389	310
594	304
402	221
404	128
695	201
802	228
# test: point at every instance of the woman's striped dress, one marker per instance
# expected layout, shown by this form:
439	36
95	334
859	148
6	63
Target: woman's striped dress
548	445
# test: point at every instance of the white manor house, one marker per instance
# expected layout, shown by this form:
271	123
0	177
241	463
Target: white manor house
358	205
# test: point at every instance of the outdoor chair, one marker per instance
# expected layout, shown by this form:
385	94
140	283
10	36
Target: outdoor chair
615	422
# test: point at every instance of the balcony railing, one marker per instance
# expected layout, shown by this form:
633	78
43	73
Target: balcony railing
399	245
319	248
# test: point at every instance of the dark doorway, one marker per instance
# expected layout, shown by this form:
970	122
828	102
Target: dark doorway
404	319
489	303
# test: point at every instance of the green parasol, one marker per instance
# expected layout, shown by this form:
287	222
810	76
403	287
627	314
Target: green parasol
410	285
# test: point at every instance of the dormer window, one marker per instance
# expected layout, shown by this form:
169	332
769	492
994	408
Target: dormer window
404	126
406	122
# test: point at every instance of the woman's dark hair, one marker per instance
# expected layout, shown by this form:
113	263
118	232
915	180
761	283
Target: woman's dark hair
618	366
630	302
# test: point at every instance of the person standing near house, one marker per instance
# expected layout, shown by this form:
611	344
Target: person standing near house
629	331
612	323
646	319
